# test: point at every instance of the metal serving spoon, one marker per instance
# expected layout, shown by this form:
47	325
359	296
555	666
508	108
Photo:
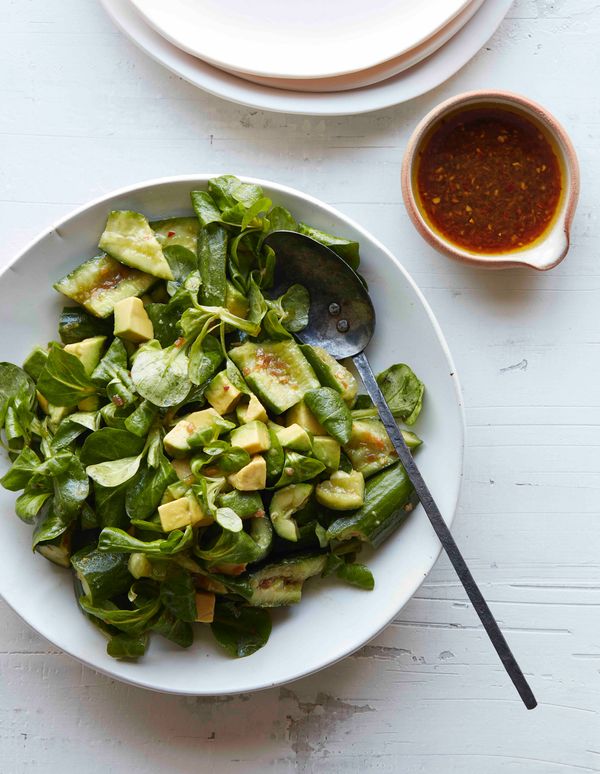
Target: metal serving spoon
342	321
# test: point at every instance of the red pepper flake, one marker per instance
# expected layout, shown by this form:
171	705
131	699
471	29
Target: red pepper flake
489	180
170	234
118	400
225	387
179	342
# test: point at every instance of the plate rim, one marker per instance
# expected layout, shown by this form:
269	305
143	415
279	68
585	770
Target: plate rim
343	653
228	87
378	59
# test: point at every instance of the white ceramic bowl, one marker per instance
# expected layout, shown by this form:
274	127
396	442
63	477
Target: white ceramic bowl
332	620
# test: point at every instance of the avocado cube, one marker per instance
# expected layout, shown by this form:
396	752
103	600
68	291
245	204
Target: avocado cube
176	441
301	415
327	450
139	565
132	322
294	437
222	395
248	412
91	403
89	351
181	513
183	470
252	477
253	437
205	606
343	491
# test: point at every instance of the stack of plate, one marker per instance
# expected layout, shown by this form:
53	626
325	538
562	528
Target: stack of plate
319	56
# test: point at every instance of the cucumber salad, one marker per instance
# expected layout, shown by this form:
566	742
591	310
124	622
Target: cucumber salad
180	451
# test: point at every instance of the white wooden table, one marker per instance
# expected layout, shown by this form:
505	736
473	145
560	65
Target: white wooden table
83	111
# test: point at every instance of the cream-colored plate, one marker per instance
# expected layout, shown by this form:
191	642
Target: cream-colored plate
375	74
308	39
426	75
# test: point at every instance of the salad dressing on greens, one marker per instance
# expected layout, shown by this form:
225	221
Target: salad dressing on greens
489	180
179	451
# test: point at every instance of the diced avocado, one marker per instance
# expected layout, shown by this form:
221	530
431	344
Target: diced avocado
331	373
132	322
128	238
327	450
253	437
43	402
277	371
254	409
89	351
205	606
222	394
294	437
91	403
236	302
343	491
281	584
35	362
100	282
252	477
139	565
177	231
285	503
182	512
183	470
247	505
176	441
56	414
369	448
301	415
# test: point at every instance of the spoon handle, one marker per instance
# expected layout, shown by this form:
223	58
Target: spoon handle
444	534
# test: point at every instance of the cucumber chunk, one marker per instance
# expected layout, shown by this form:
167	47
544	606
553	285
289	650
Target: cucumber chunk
277	372
177	231
98	284
281	584
343	491
387	503
285	503
369	448
129	239
331	373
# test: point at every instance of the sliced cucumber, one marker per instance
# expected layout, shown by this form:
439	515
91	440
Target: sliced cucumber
285	503
281	584
369	448
331	373
98	284
277	372
129	239
177	231
76	324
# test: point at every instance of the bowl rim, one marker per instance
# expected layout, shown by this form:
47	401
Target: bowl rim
525	105
202	178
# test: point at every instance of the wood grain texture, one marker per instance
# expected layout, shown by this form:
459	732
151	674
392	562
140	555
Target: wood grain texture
83	111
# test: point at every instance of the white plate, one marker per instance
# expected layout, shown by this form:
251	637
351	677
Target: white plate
307	39
332	620
408	85
375	74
